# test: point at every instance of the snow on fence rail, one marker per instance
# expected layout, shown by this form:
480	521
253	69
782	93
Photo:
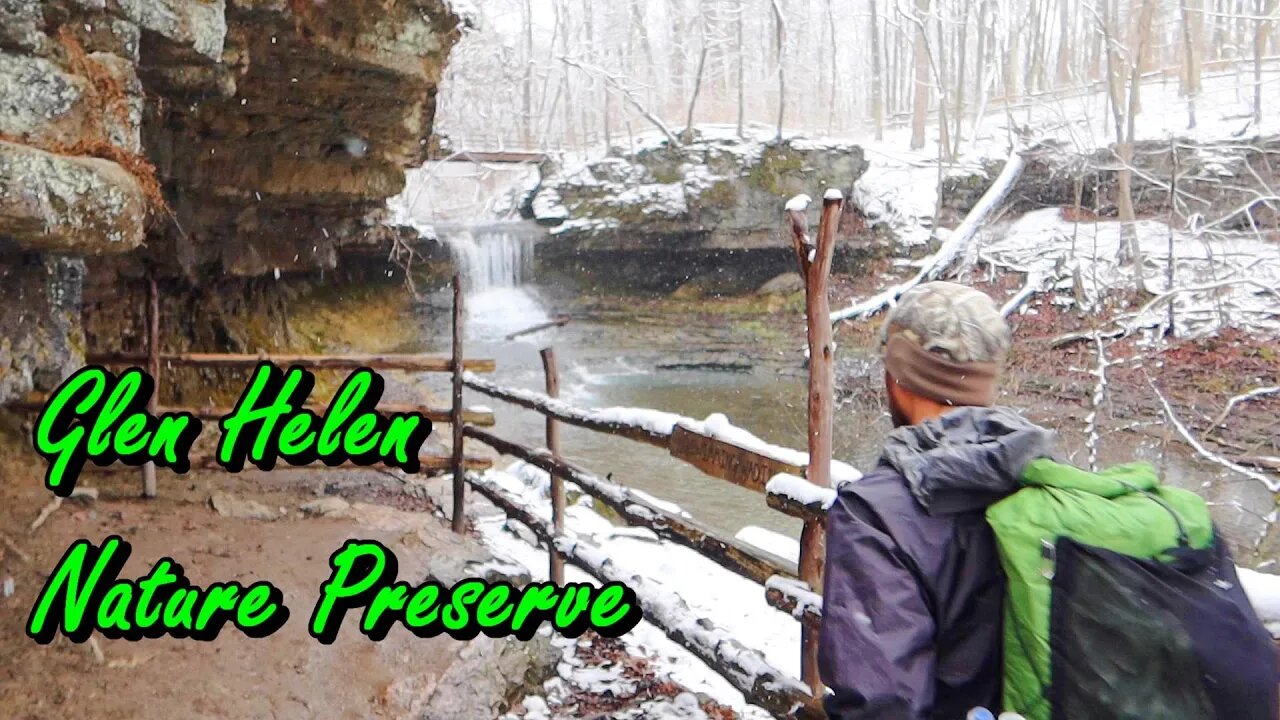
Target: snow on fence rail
654	427
798	497
796	597
649	426
746	669
748	561
721	450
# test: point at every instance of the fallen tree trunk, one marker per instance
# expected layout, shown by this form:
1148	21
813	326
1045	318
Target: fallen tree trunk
954	247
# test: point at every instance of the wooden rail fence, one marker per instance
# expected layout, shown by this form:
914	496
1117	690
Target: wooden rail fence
787	493
156	361
792	587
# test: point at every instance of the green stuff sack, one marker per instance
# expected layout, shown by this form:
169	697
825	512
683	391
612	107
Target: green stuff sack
1120	600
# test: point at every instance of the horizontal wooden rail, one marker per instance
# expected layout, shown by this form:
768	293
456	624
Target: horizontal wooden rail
722	459
570	415
795	597
741	558
209	462
798	497
418	363
482	418
746	669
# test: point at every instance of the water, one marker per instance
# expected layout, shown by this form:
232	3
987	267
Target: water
497	256
614	363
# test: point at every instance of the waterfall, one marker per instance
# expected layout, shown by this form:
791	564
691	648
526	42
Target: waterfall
490	257
495	262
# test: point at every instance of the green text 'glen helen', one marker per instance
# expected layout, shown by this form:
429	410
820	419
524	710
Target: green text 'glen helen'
98	416
270	422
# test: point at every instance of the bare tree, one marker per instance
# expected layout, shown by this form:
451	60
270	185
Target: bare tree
877	81
832	46
697	82
781	39
742	67
1192	20
1129	248
920	103
926	61
1265	10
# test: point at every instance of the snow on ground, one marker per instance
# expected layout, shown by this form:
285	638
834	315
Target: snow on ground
784	546
1264	593
735	604
1239	274
900	186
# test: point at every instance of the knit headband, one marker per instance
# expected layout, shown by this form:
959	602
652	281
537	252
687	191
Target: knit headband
937	376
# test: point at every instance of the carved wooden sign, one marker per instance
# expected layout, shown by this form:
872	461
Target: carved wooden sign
727	461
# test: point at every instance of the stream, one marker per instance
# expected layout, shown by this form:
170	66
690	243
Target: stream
615	359
614	363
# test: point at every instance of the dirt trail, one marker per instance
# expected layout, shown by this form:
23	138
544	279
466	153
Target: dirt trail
287	674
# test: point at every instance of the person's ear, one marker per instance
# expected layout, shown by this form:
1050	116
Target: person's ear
899	401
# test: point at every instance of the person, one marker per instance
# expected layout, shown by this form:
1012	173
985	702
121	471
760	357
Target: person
913	589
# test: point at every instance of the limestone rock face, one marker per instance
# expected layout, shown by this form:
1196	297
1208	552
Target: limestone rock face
714	193
706	216
64	204
40	338
288	148
200	139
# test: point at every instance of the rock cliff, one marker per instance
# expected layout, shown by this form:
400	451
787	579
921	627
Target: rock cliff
198	140
708	212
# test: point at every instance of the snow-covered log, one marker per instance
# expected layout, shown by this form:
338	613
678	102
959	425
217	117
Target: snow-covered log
954	247
635	509
746	669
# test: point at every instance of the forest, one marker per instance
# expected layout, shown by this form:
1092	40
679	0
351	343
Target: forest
583	73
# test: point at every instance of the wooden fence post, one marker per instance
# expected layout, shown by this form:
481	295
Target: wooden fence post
459	481
815	267
153	369
557	482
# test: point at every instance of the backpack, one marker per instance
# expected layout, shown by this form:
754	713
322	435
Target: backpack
1122	603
